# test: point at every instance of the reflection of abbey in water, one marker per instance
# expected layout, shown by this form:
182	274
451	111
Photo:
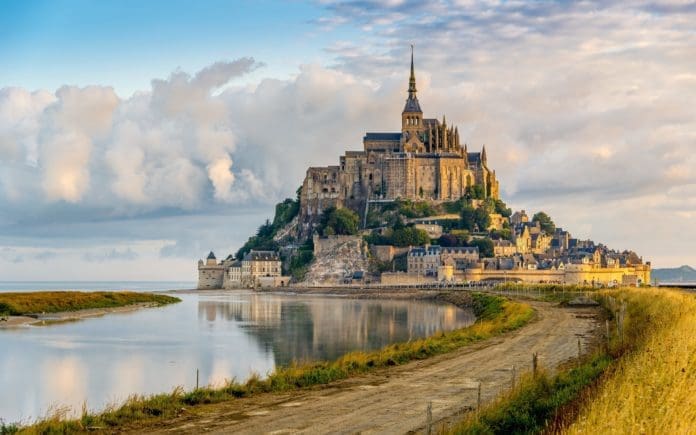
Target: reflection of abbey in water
304	328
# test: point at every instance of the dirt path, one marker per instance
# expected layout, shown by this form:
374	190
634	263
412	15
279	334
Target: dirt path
395	400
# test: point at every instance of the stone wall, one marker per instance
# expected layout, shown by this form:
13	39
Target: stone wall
210	277
404	278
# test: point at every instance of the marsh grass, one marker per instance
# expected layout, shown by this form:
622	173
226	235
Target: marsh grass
17	304
495	315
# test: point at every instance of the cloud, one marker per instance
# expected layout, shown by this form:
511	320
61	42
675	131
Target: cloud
169	147
584	108
124	255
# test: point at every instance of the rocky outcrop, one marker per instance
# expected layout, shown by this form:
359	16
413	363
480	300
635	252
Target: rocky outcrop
335	258
289	231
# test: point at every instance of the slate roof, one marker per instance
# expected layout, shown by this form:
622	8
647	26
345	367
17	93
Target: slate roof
461	250
211	256
382	136
474	158
412	105
421	251
262	256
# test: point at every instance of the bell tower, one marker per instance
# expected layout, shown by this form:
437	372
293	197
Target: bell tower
412	117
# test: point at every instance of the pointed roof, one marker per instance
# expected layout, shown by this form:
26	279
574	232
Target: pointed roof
412	105
211	256
412	79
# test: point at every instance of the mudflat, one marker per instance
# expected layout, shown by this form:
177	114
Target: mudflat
67	316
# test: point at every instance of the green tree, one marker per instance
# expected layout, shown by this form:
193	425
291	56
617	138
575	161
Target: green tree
450	239
468	217
285	212
409	236
485	247
475	192
473	218
545	222
502	209
299	263
339	221
483	219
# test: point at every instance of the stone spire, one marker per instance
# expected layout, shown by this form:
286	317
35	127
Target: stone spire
412	80
412	105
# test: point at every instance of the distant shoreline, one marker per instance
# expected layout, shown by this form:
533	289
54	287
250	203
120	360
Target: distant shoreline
69	316
45	307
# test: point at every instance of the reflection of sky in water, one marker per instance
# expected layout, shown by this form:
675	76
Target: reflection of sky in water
225	335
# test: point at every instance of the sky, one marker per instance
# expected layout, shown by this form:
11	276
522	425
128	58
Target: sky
137	136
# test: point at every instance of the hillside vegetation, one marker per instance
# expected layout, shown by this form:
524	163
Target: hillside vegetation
17	304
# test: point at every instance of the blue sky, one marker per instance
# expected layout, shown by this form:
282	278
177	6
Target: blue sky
135	136
46	44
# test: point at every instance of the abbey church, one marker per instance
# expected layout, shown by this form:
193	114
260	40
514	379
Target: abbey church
425	161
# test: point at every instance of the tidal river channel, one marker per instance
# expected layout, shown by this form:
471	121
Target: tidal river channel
223	335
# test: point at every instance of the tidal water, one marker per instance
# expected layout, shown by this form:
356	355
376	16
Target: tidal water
223	334
27	286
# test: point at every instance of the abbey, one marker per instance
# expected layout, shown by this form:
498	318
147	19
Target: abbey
424	161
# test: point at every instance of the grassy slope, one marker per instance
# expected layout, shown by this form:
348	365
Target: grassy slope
642	382
52	302
495	315
652	388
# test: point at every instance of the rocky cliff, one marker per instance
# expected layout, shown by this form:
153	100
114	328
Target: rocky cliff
336	257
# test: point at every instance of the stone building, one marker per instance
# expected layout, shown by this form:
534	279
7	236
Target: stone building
257	268
440	262
424	261
210	273
424	161
504	248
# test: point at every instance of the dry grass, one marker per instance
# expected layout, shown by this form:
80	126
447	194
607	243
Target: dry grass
495	315
642	381
17	304
653	388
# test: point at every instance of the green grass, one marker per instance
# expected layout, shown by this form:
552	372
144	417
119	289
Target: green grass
535	400
495	316
17	304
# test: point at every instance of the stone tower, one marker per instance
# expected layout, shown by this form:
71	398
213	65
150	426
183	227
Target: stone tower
412	117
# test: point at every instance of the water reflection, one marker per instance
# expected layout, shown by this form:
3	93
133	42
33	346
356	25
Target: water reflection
302	328
224	335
